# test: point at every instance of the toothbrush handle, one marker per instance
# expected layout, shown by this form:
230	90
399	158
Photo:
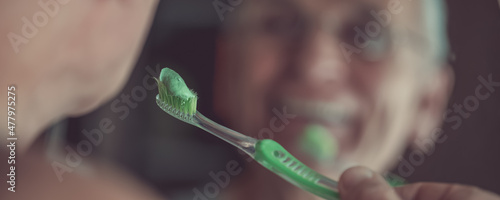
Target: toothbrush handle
275	158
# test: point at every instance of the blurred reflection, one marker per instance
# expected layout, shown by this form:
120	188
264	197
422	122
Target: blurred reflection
366	71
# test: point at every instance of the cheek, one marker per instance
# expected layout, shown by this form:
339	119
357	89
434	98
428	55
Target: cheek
367	78
264	63
101	84
116	80
260	64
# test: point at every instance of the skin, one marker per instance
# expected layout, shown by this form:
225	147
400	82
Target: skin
360	183
273	52
81	58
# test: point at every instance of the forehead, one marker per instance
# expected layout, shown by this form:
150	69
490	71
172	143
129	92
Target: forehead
410	11
319	4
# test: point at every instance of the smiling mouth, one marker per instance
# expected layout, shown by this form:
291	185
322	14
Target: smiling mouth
334	114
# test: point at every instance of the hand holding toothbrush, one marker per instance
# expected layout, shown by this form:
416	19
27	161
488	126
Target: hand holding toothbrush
360	183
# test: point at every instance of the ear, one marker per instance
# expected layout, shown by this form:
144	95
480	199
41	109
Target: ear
436	93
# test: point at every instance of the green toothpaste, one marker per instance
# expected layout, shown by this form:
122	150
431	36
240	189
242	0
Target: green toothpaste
173	90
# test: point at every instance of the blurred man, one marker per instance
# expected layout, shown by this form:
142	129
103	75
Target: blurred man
65	58
373	73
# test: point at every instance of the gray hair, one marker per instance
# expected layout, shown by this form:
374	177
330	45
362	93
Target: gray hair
435	20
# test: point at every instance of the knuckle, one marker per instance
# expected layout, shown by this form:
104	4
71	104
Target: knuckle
377	193
458	191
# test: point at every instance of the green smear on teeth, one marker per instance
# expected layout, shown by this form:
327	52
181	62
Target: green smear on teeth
319	143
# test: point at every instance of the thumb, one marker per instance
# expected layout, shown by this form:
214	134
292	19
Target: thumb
360	183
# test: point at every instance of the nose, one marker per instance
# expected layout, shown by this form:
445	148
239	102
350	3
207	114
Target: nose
318	60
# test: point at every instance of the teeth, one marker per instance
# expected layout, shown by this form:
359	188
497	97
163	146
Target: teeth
330	112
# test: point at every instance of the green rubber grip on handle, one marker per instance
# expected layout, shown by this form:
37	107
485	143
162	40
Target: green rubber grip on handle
274	157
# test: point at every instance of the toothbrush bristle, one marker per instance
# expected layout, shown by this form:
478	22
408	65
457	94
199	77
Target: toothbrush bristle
171	110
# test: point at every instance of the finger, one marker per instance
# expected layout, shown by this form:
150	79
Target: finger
442	191
360	183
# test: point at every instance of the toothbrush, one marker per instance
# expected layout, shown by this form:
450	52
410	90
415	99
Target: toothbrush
176	99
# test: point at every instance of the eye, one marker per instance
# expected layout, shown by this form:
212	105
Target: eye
372	39
378	48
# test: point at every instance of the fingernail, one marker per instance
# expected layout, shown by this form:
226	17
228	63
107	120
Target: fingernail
355	176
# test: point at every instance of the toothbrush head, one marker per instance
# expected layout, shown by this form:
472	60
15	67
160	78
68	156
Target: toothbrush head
319	143
174	97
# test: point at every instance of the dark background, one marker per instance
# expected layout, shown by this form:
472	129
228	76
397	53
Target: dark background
175	157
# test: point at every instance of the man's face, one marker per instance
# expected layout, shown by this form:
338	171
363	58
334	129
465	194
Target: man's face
307	58
74	63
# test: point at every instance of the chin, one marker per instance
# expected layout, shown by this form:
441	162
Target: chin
85	105
90	100
84	108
